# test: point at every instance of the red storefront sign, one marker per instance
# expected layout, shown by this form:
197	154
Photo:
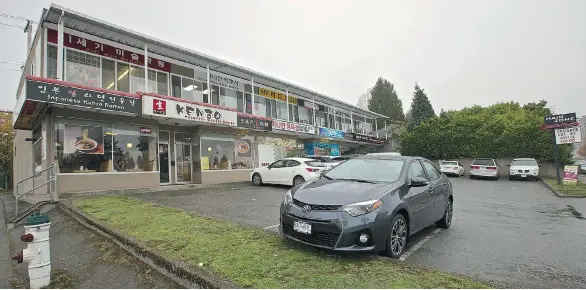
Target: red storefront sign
95	47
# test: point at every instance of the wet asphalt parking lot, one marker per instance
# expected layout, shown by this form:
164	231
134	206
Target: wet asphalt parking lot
513	233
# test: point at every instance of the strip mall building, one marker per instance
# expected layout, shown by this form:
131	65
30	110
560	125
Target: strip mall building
116	109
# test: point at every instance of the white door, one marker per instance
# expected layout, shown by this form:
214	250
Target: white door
273	173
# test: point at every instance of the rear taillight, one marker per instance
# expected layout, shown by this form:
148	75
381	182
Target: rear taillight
474	167
491	167
312	169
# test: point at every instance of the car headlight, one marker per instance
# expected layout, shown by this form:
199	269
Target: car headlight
363	207
288	197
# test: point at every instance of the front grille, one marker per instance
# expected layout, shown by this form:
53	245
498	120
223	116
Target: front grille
318	238
315	206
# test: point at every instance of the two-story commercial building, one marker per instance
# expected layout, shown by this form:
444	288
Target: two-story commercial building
117	109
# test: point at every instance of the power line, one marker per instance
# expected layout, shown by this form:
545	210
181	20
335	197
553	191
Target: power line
12	62
10	69
15	17
6	24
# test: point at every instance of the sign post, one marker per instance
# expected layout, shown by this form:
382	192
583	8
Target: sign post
564	131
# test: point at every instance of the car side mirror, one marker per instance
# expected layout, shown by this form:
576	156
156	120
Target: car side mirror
508	165
419	182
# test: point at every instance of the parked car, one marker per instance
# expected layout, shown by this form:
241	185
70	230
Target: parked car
582	168
372	203
484	167
524	168
452	168
288	171
384	154
326	160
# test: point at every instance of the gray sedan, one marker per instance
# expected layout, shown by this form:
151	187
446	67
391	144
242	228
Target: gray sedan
369	203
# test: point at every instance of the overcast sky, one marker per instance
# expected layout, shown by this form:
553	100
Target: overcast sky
461	52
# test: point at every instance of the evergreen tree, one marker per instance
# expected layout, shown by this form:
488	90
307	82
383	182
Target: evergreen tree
421	108
385	101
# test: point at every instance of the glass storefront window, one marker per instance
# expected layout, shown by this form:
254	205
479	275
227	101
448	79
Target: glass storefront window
132	150
51	61
282	112
108	74
123	80
136	79
82	68
217	151
83	147
243	152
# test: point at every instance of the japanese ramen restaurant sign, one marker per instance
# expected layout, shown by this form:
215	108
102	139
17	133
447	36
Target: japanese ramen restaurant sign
91	46
568	135
154	106
49	92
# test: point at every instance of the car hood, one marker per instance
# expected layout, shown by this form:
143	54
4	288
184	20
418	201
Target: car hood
339	192
524	168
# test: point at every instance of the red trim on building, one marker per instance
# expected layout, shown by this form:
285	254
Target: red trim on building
58	82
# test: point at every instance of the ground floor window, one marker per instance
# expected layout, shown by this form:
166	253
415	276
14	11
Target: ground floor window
271	149
89	146
226	152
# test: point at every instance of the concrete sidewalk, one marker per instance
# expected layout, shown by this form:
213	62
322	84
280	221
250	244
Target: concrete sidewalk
80	258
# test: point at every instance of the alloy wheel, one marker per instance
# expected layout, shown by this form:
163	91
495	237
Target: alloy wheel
256	179
449	212
398	237
298	181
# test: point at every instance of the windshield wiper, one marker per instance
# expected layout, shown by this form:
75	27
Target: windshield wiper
357	180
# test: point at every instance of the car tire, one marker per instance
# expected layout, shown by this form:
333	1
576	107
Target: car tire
256	179
446	220
298	180
471	176
396	238
510	177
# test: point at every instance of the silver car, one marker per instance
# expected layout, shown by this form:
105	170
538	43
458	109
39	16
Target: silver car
484	168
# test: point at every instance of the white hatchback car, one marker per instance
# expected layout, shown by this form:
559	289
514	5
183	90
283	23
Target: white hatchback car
288	171
524	168
452	168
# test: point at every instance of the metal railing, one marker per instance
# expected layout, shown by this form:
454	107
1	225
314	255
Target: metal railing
50	181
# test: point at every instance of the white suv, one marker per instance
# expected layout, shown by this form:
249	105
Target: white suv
484	167
524	168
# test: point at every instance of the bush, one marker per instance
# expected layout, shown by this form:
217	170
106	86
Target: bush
500	130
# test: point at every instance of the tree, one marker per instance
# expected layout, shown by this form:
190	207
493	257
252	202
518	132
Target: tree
6	147
500	130
421	108
385	101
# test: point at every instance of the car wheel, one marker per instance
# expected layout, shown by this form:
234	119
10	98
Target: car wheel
471	176
298	180
446	220
256	179
397	240
510	177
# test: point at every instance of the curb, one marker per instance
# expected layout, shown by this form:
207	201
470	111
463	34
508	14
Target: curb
557	193
181	273
68	195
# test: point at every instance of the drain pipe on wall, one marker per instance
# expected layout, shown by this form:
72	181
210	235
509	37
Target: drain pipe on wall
38	251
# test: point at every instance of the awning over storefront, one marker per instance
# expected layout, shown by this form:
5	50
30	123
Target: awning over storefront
42	91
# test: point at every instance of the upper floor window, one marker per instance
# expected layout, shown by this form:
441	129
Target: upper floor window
82	68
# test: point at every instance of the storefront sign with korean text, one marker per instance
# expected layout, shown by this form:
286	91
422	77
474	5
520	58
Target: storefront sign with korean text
255	123
72	96
568	135
365	138
331	133
220	79
307	129
285	126
106	50
271	94
187	111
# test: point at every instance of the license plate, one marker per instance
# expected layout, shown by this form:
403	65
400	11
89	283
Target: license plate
302	227
523	175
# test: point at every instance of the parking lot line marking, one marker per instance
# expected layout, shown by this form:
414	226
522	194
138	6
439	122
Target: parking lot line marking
270	227
418	245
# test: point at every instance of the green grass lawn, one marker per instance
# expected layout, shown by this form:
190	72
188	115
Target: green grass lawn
252	258
576	190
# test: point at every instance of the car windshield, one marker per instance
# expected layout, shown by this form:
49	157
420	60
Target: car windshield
523	163
449	163
369	170
486	162
315	163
